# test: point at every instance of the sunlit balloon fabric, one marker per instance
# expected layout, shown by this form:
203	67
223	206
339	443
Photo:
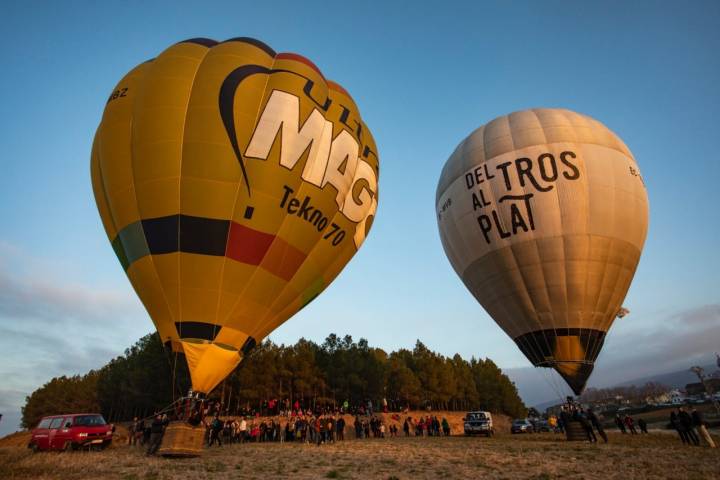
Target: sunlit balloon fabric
234	183
543	214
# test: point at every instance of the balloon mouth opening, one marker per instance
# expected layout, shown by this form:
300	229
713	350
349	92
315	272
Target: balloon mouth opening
575	373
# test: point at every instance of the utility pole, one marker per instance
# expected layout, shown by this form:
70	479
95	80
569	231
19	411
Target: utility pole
701	375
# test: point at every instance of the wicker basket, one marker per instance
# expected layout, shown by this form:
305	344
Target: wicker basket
182	440
574	431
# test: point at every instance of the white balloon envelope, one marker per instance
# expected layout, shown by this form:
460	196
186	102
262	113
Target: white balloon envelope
543	213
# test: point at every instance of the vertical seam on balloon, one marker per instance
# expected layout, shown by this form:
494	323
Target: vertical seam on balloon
559	210
520	271
517	327
179	321
588	237
103	190
232	216
137	203
486	157
537	248
268	316
607	258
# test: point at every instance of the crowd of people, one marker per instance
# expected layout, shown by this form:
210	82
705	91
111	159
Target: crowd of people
690	427
329	425
148	433
308	427
319	426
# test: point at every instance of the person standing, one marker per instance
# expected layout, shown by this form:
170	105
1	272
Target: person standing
699	425
620	424
687	425
341	428
215	428
595	422
131	432
675	423
140	432
643	425
157	428
586	425
445	427
630	424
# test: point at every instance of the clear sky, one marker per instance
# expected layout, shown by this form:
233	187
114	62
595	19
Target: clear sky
424	74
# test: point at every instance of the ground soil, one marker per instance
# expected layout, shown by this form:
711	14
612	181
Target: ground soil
531	456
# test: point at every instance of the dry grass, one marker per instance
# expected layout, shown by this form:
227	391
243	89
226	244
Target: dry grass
539	456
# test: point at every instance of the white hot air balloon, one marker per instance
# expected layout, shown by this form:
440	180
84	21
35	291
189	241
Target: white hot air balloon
543	214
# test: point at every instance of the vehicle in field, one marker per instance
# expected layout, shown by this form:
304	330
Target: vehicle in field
478	423
522	425
71	432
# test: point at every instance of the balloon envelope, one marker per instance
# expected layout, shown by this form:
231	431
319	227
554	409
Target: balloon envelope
234	184
543	214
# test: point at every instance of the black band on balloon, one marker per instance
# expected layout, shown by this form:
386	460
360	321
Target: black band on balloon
539	346
198	330
205	42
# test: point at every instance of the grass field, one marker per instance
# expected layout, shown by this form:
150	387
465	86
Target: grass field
537	456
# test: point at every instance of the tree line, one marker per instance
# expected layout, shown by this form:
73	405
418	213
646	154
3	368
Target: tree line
147	378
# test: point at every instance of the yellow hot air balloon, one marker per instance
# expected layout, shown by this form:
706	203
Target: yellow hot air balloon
234	184
543	214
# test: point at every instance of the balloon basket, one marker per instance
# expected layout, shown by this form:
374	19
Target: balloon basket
182	440
574	431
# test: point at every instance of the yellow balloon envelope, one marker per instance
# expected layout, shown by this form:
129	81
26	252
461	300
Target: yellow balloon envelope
543	214
234	184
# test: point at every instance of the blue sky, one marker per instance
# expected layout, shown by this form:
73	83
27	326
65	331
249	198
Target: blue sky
424	74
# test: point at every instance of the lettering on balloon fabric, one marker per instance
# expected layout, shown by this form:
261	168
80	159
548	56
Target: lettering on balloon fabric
340	161
305	210
512	214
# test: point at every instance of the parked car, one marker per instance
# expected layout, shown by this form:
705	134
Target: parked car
70	432
522	425
479	423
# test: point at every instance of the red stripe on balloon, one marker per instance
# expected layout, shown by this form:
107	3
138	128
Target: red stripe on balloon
299	58
247	245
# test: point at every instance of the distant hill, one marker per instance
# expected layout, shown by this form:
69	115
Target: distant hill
531	386
677	379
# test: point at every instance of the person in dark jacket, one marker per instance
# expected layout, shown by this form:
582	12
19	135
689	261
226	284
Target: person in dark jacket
630	424
215	428
340	426
687	425
581	417
620	424
675	423
643	425
699	425
595	422
157	428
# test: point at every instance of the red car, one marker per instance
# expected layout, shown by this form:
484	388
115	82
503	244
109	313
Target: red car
70	432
